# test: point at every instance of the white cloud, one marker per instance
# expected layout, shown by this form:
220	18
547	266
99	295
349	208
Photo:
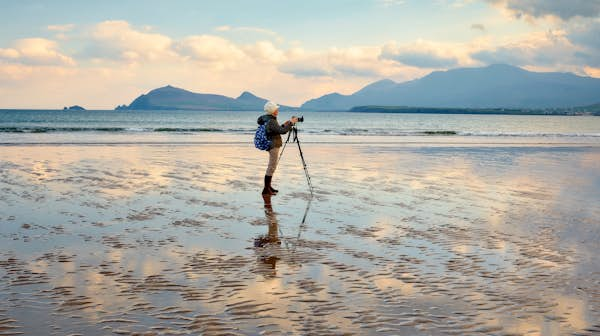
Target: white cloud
223	28
339	62
11	73
211	49
424	54
249	33
36	51
118	40
255	30
454	3
307	66
9	53
391	3
119	61
61	28
265	52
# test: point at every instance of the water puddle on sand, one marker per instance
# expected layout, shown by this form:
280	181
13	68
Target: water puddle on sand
164	240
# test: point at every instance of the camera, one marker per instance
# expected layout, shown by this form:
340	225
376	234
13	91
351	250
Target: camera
300	118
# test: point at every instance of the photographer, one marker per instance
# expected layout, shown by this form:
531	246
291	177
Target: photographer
274	131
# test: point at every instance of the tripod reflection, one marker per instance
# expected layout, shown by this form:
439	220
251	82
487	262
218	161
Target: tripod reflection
268	246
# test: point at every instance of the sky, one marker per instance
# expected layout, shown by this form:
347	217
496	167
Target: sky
100	54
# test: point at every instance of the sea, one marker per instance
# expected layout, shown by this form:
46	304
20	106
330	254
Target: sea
189	127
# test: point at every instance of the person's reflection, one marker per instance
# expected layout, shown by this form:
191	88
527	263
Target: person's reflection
263	242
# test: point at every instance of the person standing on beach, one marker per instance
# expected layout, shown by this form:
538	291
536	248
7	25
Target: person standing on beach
274	131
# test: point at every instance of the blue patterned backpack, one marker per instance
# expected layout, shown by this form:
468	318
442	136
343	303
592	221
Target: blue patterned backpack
261	141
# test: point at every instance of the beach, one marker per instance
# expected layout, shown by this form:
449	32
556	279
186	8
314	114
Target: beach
439	173
422	239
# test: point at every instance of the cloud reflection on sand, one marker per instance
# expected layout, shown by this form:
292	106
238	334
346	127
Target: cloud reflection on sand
397	240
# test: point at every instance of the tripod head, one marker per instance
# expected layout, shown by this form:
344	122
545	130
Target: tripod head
293	131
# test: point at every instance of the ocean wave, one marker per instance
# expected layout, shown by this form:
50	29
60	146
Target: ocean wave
59	129
528	134
168	129
385	132
340	132
399	133
43	129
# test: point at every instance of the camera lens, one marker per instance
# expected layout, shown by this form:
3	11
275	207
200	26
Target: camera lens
301	119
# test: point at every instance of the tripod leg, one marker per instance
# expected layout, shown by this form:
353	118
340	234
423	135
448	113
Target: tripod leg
281	154
310	187
283	148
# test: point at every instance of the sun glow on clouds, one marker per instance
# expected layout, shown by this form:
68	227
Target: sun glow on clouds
112	62
36	51
117	54
212	50
118	40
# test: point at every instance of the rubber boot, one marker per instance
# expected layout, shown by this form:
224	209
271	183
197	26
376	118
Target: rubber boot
267	188
273	190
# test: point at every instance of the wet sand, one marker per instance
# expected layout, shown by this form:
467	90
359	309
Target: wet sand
175	239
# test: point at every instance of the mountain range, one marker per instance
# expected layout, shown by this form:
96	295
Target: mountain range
172	98
494	86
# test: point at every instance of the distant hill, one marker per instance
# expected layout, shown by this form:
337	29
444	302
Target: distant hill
583	110
73	108
593	109
494	86
172	98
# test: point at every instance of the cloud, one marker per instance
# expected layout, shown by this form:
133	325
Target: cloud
421	59
306	68
211	49
587	37
538	49
248	32
478	26
338	62
9	53
391	3
264	52
11	73
117	61
421	55
301	63
454	3
223	28
61	28
36	51
118	40
564	9
360	61
574	43
591	71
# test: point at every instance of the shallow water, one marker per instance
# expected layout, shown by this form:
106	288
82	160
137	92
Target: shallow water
423	239
26	126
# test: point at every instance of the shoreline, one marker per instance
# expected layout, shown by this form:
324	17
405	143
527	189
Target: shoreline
569	112
305	138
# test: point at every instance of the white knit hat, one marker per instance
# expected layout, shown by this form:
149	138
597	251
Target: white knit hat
271	107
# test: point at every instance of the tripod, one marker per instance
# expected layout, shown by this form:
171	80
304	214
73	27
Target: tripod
295	139
301	228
